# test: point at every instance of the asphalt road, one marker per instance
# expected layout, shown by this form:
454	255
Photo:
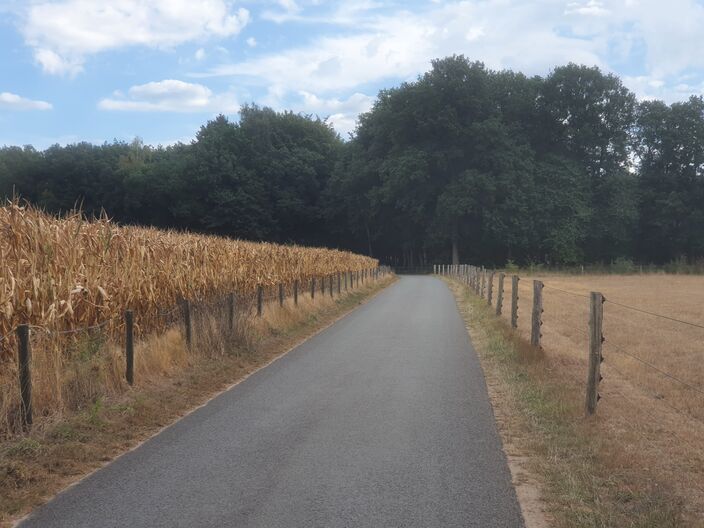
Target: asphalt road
382	420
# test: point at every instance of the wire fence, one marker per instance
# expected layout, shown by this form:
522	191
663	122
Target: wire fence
584	327
37	371
635	354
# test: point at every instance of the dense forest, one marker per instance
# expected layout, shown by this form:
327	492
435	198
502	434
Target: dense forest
465	162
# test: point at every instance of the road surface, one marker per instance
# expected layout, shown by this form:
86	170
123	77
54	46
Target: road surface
381	420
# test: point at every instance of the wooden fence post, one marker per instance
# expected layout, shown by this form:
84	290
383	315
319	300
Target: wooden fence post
490	288
281	294
186	308
231	311
345	274
500	294
295	292
596	339
339	283
514	301
260	300
312	287
24	353
322	286
537	316
330	285
129	346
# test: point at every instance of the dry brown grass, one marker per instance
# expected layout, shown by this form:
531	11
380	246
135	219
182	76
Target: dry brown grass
658	422
62	275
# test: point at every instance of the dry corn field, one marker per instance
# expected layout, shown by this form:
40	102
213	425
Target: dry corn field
71	280
652	392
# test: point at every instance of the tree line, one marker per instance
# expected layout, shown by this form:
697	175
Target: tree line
464	162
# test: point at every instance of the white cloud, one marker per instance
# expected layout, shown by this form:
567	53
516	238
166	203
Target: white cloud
589	8
289	5
199	54
475	33
251	42
381	44
55	64
341	113
649	88
289	11
170	95
401	45
340	13
12	101
63	33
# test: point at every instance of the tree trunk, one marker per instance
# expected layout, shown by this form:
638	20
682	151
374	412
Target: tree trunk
369	239
455	251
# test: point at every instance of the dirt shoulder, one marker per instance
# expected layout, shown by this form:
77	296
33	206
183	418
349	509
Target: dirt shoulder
569	471
35	467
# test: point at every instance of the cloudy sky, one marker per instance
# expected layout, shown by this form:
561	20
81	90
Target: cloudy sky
94	70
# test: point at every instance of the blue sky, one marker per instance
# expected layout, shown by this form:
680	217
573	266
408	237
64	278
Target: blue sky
92	70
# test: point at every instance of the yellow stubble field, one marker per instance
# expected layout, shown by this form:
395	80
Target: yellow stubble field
652	392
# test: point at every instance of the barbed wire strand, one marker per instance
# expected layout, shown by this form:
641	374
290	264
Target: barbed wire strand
169	312
73	330
7	336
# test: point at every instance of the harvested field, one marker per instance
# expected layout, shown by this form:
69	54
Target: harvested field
652	395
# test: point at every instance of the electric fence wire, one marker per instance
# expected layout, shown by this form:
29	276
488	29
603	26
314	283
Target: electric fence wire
640	310
636	427
646	391
657	369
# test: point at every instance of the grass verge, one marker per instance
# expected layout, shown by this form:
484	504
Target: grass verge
35	467
585	477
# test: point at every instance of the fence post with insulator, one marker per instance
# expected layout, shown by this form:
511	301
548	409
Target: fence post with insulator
596	340
537	315
514	301
500	294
